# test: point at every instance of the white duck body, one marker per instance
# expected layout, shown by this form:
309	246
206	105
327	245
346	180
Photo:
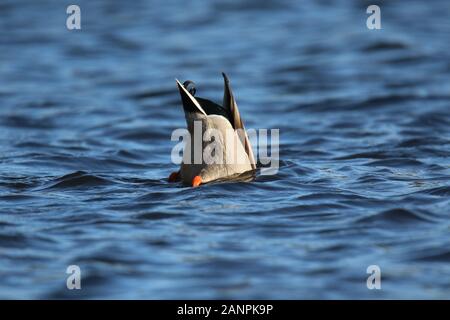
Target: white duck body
233	159
233	153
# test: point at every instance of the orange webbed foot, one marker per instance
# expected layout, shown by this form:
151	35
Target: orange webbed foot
196	181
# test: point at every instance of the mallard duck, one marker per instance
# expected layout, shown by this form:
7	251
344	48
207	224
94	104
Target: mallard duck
233	144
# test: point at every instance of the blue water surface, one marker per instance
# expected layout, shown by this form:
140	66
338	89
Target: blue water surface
86	118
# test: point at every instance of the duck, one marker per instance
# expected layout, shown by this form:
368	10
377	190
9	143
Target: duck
231	143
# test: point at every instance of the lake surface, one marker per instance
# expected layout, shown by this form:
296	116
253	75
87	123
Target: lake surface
85	123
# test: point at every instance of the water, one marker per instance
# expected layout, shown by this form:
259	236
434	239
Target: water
85	124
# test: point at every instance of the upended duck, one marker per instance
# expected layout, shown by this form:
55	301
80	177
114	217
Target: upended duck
227	153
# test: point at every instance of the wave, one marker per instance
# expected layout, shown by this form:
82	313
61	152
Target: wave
397	216
399	162
443	191
78	179
385	45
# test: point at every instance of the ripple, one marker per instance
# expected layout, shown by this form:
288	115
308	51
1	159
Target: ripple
400	162
158	216
147	94
394	217
423	141
78	179
21	121
443	191
365	155
408	59
385	46
16	197
16	240
443	256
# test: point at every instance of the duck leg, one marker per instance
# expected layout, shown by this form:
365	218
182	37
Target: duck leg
196	181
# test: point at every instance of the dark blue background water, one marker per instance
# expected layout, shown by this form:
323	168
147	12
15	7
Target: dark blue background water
85	124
